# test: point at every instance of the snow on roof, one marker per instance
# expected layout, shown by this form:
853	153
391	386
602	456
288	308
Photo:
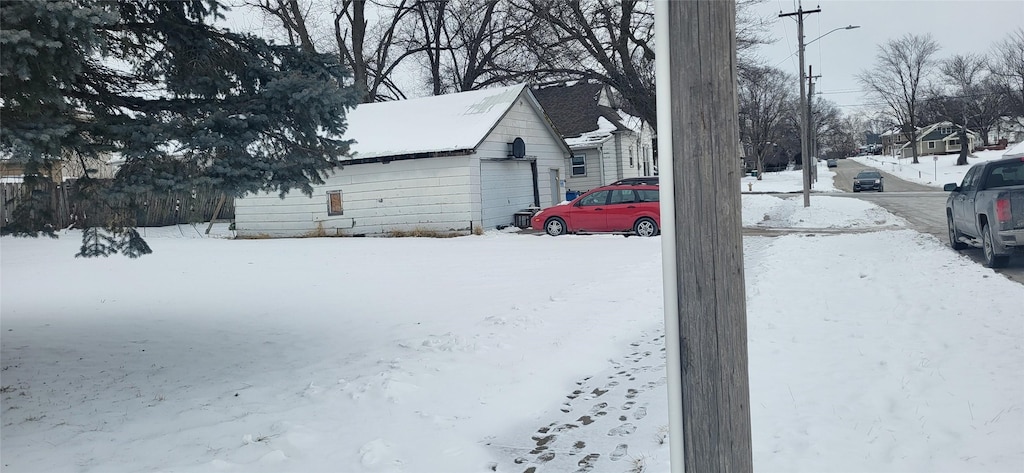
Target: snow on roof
601	134
1017	151
430	124
635	124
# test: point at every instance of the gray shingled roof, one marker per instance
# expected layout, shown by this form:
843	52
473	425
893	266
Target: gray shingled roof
574	110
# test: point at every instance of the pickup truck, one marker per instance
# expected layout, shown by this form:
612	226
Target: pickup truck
987	210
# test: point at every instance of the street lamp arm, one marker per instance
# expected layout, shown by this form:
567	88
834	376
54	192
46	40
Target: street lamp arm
850	27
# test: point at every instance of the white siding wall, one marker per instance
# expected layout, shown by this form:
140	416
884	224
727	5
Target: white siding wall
593	177
430	193
524	122
442	194
506	187
613	159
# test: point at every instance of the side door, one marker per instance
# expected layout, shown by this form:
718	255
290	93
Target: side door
963	203
589	214
622	210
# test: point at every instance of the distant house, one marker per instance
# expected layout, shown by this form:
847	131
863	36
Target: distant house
894	140
607	143
942	138
937	138
1007	128
452	163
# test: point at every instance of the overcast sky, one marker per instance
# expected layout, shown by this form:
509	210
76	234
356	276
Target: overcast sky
960	27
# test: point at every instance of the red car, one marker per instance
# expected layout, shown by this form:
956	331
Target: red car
629	209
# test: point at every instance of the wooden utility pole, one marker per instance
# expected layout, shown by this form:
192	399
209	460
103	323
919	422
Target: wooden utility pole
804	151
705	296
812	127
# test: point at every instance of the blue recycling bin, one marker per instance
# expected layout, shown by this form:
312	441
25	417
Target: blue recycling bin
571	195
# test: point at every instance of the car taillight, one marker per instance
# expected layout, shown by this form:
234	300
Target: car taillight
1003	209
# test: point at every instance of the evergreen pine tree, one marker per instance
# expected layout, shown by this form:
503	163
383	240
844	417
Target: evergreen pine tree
185	104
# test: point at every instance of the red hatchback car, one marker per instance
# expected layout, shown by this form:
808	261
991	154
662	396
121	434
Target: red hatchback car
628	209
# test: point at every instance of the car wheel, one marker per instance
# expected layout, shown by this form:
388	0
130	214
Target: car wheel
645	227
856	189
954	236
554	226
992	260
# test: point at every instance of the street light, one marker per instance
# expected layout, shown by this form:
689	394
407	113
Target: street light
805	157
811	136
850	27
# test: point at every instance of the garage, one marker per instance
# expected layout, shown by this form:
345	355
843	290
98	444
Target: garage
506	187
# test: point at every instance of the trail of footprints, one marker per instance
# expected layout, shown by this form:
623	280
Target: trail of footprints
598	404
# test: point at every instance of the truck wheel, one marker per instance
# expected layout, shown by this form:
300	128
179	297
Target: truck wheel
954	236
992	260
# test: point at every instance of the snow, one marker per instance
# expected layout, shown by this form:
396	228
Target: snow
931	170
872	348
788	181
1016	151
601	134
458	122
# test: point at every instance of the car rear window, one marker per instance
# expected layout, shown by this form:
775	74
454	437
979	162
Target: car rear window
1007	174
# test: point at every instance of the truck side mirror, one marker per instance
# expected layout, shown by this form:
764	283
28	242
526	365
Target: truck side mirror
950	188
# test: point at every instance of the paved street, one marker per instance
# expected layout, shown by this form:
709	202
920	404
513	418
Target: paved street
924	207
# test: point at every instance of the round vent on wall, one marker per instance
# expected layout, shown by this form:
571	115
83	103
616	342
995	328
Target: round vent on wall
518	148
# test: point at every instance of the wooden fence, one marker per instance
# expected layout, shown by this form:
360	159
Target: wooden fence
157	209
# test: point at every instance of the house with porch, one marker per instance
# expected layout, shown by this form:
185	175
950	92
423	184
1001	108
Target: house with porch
937	138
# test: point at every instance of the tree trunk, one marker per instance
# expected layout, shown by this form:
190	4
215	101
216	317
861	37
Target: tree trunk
913	143
964	151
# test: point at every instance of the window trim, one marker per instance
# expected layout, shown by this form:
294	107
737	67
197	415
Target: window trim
573	165
331	210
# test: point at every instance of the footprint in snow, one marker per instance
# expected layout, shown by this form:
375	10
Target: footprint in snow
622	430
620	451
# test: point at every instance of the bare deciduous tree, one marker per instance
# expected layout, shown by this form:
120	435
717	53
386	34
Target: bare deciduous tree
472	44
966	96
764	93
612	42
833	134
1008	71
902	65
360	32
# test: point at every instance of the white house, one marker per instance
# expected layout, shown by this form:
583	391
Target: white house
452	164
607	143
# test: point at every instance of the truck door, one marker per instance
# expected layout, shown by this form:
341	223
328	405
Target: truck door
963	206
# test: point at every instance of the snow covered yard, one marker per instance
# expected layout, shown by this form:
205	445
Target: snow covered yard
498	352
931	170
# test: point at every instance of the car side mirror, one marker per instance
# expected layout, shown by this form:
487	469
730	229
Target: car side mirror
950	188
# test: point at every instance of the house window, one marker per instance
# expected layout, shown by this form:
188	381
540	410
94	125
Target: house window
931	145
579	165
335	203
954	142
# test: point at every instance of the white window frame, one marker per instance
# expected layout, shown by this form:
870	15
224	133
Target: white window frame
573	165
931	145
